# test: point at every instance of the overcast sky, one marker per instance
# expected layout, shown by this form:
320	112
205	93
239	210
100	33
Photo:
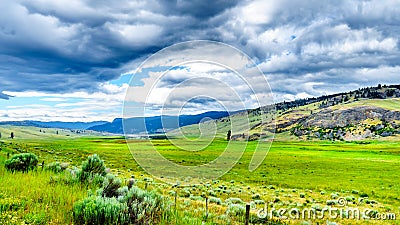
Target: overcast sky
72	60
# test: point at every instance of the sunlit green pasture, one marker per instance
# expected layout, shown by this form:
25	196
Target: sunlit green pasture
369	167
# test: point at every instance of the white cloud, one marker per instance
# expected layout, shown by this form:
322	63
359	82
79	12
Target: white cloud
105	104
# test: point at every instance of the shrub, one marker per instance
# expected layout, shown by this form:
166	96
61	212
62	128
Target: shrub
350	198
331	202
256	196
233	201
111	185
259	202
130	206
215	200
56	167
146	207
235	210
70	176
211	193
196	198
185	193
91	169
335	195
373	214
22	162
369	201
98	210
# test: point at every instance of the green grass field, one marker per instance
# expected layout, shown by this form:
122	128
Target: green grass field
301	174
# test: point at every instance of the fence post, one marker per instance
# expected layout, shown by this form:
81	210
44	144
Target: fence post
206	207
176	196
246	222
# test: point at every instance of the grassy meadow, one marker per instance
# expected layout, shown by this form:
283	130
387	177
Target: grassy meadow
294	174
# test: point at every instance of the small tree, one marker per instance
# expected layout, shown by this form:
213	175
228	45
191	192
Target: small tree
228	135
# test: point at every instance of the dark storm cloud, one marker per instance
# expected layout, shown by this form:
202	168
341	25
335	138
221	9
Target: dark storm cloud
63	46
83	43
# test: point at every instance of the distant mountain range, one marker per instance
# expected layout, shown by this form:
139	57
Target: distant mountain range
136	125
57	124
156	124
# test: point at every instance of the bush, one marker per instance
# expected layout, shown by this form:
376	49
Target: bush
233	201
211	193
91	169
22	162
145	207
215	200
256	196
196	198
98	210
259	202
335	195
56	167
111	185
236	210
331	202
185	193
134	206
350	198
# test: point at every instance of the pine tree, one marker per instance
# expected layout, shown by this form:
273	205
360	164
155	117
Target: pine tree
228	135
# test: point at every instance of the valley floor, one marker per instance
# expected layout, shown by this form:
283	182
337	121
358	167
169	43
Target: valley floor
295	174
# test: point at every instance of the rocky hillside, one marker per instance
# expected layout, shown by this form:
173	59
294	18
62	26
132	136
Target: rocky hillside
354	123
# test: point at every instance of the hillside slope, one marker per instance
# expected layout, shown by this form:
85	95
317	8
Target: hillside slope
364	113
